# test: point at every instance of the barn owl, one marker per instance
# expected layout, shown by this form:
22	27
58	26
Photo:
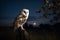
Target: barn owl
21	19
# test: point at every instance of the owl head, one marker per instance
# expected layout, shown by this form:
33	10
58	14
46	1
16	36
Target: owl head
25	11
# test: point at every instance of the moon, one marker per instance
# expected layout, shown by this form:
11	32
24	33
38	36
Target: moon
34	23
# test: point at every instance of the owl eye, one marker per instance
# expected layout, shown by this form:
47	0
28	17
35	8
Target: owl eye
24	12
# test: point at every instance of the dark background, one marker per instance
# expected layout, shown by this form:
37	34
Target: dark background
9	9
43	30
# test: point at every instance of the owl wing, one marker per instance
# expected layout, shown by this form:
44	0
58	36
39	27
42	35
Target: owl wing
21	19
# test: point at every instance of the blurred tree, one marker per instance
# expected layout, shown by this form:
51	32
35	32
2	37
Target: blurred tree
53	5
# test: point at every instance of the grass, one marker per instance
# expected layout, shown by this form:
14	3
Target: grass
34	35
43	36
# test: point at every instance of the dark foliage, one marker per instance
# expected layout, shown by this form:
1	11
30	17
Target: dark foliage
53	5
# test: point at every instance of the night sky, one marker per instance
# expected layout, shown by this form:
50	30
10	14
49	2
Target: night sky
10	9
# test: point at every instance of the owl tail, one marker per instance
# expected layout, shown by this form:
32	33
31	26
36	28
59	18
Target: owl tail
20	27
15	28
